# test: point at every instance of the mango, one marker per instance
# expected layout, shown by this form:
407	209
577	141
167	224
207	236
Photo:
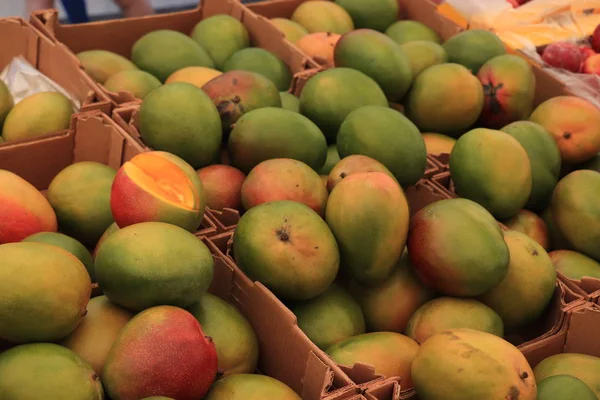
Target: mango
354	164
222	36
284	179
333	157
24	210
474	167
69	244
557	240
319	16
47	370
162	52
377	56
320	46
44	291
526	290
299	262
436	143
180	118
377	15
446	313
391	354
544	157
574	265
238	92
138	83
102	64
109	231
581	366
423	54
97	332
388	306
153	263
531	225
179	360
289	134
368	214
473	48
291	30
387	136
80	196
235	341
475	365
406	31
436	250
250	387
575	125
222	186
564	387
575	211
37	115
6	102
262	62
197	76
330	318
157	187
289	102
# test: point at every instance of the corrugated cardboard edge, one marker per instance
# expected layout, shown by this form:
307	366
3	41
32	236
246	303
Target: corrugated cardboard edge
388	389
225	220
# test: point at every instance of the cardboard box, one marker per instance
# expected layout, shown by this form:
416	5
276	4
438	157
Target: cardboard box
120	35
388	389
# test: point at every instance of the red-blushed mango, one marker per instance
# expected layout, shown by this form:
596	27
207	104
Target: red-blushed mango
284	179
437	252
250	387
391	354
291	30
377	15
406	31
48	371
44	291
235	341
575	210
222	186
436	143
575	125
321	16
24	210
531	225
354	164
574	265
564	387
330	318
97	332
222	36
197	76
80	196
109	231
102	64
368	214
138	83
509	88
299	261
475	365
320	47
388	306
153	263
474	165
162	350
445	313
526	290
157	187
581	366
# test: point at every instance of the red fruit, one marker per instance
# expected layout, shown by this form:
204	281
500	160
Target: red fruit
513	3
222	186
563	55
586	52
596	39
592	65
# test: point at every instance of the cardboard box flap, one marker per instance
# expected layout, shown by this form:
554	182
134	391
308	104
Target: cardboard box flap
584	331
361	373
18	40
388	389
226	219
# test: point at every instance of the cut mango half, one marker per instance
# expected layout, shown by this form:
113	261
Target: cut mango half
162	178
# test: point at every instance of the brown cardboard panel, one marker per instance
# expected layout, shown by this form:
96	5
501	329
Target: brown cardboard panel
422	194
388	389
225	220
18	39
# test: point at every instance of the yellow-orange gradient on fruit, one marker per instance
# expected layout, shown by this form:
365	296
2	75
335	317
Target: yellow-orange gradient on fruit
157	187
23	210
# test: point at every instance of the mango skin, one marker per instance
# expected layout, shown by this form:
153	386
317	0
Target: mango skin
368	214
323	17
423	54
234	338
44	291
390	353
109	231
564	387
473	365
29	370
581	366
262	62
37	115
436	143
437	254
6	103
197	76
102	64
291	30
473	48
25	211
531	225
333	157
574	265
80	196
138	83
303	243
445	313
526	290
132	262
69	244
97	332
250	387
406	31
352	165
377	15
222	36
575	210
289	102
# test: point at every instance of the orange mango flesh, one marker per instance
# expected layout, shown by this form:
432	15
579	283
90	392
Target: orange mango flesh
162	178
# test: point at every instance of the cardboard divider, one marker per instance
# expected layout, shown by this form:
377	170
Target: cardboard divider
388	389
225	220
119	36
